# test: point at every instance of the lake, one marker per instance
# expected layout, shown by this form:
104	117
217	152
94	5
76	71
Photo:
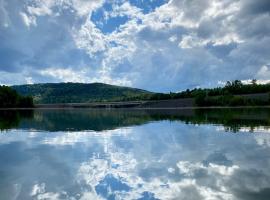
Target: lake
135	154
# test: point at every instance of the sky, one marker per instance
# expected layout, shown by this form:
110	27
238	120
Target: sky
158	45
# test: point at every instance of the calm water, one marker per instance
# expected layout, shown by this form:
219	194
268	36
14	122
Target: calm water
95	154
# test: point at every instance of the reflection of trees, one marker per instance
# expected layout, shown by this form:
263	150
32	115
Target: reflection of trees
234	119
231	118
98	120
11	118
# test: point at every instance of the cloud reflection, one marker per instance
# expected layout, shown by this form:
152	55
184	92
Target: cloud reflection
159	160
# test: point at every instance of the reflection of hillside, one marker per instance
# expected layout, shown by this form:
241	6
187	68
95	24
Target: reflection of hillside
98	120
76	120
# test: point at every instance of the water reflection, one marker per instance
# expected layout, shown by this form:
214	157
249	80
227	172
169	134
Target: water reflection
165	156
12	118
234	120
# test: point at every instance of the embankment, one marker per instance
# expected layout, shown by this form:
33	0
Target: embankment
173	103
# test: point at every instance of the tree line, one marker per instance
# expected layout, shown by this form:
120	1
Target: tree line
9	98
232	94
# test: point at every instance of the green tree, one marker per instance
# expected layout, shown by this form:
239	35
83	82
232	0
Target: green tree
254	82
9	98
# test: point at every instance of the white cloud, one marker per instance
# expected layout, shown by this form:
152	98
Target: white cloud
28	20
65	75
126	9
189	42
264	72
39	193
224	33
173	38
222	8
168	17
41	9
86	7
45	7
90	38
29	80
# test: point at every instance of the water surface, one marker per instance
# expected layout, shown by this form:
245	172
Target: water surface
135	154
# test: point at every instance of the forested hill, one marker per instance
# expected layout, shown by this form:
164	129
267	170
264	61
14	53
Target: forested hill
78	92
234	93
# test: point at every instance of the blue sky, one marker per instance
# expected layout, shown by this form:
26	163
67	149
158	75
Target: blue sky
158	45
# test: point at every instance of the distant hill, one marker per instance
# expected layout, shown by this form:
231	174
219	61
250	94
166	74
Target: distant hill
234	93
78	92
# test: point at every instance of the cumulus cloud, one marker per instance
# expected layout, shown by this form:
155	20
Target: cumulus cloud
180	43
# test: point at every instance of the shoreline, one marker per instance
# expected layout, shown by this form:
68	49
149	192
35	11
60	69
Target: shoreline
171	104
137	108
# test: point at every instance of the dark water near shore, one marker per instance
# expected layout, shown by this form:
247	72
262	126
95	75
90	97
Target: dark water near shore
135	154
